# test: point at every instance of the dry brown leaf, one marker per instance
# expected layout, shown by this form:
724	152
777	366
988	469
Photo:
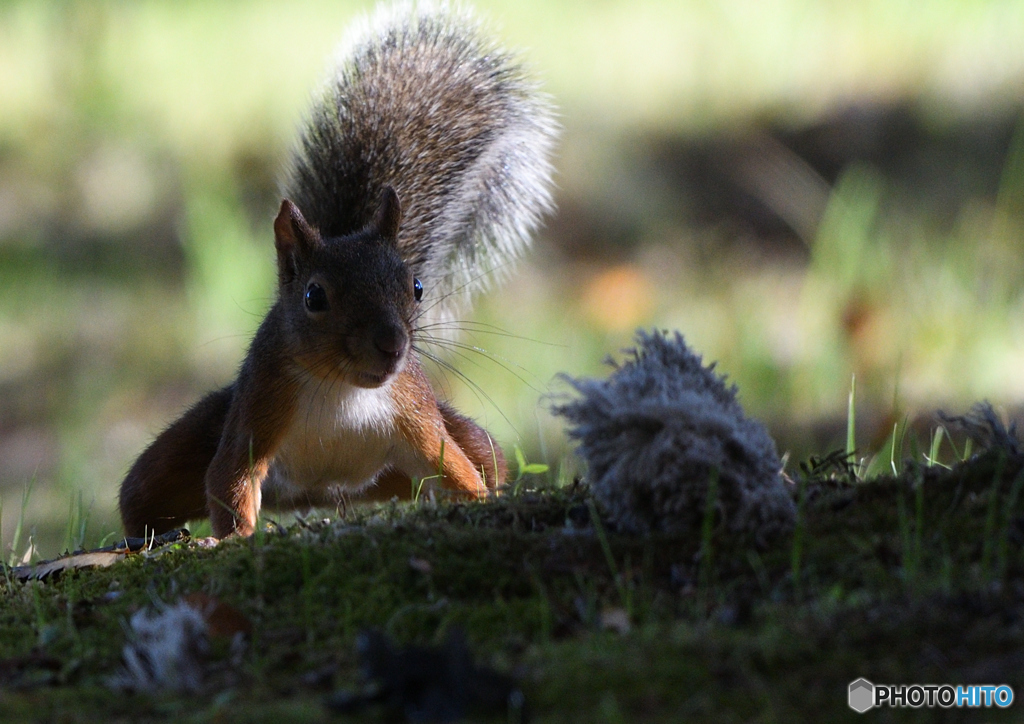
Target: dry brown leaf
89	559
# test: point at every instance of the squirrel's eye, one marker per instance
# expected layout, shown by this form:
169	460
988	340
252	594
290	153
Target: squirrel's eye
316	298
417	289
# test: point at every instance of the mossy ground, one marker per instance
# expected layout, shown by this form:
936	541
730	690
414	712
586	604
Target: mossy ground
916	578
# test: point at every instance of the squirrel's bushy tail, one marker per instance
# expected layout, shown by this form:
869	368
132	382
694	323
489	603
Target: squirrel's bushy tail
422	100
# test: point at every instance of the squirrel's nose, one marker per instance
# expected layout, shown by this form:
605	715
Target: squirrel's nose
390	342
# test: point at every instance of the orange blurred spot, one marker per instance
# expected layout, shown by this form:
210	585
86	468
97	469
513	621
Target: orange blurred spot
223	619
618	298
869	331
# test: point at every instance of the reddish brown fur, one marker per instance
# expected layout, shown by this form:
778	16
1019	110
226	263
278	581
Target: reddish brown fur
422	426
216	456
473	465
261	410
475	442
433	109
165	487
214	460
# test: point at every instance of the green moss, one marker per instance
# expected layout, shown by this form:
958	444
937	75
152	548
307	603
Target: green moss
900	580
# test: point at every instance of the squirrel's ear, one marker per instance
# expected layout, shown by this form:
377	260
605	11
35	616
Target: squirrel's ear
388	218
293	237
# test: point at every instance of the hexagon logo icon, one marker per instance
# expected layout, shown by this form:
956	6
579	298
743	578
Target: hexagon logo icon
862	695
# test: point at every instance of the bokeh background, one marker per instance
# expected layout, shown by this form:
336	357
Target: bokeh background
807	190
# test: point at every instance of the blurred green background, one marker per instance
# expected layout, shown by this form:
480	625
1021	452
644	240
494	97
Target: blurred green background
807	190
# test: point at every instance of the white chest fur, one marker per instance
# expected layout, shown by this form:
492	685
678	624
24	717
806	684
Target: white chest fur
341	436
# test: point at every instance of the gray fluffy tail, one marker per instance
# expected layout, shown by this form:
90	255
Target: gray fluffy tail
422	100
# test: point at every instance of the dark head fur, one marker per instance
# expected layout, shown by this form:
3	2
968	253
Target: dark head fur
349	302
422	101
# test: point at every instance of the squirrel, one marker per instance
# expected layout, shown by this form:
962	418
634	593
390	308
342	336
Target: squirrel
422	168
